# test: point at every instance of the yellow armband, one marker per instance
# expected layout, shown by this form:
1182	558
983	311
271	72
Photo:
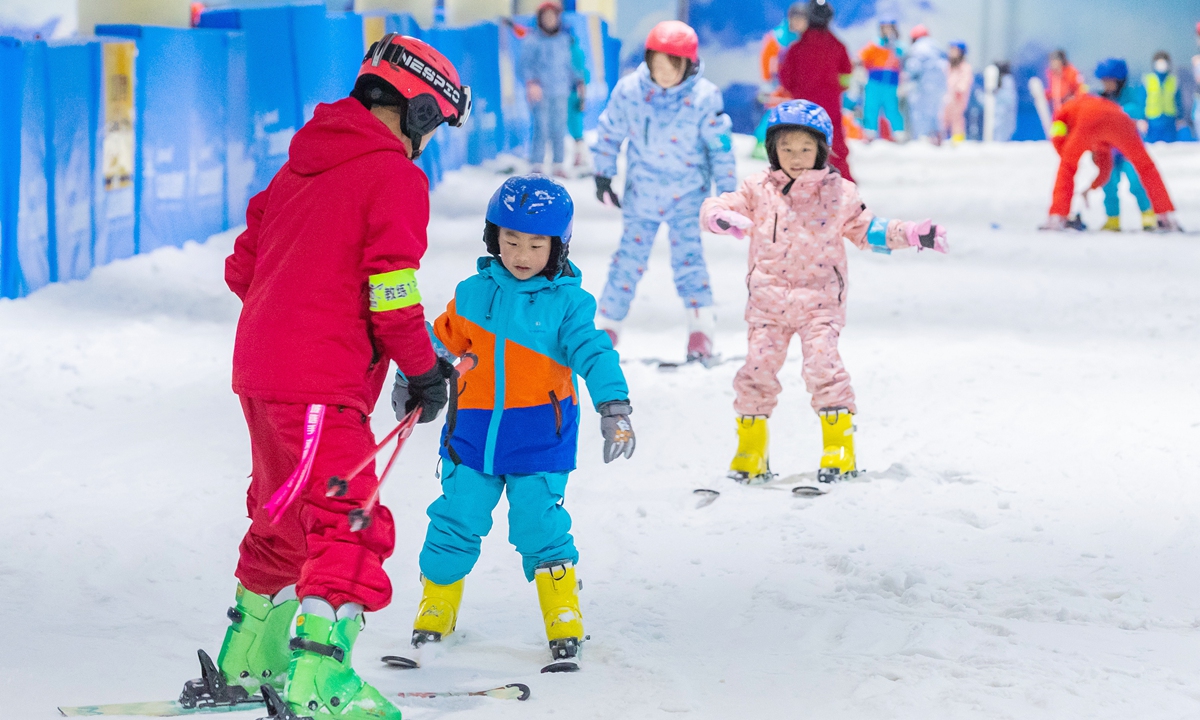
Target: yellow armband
394	290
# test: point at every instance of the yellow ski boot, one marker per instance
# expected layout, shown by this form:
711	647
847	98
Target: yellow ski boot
437	614
1149	221
558	594
1113	224
750	465
837	430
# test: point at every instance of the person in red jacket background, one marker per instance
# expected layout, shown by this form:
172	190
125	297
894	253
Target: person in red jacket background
1097	125
326	273
817	68
1062	81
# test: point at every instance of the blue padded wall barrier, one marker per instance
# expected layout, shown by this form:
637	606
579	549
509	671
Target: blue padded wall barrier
24	189
71	107
329	52
275	108
181	133
473	51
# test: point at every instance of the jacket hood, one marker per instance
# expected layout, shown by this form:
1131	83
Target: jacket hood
649	87
337	133
491	267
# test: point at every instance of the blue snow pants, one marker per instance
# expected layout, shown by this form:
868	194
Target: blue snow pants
538	524
881	97
1112	202
1161	129
549	126
923	111
682	217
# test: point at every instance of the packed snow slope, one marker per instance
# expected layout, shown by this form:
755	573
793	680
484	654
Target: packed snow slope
1031	551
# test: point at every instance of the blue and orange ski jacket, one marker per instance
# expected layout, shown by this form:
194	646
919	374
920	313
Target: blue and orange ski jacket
518	408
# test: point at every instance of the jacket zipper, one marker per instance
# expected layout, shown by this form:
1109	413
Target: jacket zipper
646	132
775	229
558	417
841	284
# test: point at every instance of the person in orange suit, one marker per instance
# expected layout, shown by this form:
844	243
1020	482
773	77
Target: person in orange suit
1062	81
1097	125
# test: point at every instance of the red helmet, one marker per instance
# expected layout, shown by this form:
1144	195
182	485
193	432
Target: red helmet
918	32
674	38
425	78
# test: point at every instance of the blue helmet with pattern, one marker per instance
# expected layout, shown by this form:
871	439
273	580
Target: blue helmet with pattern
801	113
537	205
1112	69
533	204
960	46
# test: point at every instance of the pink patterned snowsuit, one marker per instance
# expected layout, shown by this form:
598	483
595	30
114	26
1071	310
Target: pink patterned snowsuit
797	279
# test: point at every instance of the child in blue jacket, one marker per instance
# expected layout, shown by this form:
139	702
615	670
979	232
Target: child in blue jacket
679	146
523	327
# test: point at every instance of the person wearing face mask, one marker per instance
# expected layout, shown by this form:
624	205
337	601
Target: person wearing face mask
678	145
550	77
882	61
798	216
1163	100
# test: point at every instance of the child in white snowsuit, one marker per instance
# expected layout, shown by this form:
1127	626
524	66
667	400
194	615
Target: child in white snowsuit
676	134
797	215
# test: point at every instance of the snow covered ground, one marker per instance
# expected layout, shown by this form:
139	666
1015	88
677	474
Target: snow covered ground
1032	553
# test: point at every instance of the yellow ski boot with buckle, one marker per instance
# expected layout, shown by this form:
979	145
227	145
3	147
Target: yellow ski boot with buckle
837	430
1149	221
437	615
558	595
750	465
1112	224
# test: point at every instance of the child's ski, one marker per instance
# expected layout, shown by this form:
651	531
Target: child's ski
161	708
669	365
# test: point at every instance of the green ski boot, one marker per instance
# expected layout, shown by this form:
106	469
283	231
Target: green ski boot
321	682
255	650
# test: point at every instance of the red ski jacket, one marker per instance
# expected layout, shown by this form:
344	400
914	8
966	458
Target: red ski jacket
816	68
325	268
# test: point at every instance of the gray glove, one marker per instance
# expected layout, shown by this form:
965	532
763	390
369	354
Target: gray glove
618	432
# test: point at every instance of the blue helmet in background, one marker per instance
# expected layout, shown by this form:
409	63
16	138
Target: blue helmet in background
533	204
961	46
801	113
1112	69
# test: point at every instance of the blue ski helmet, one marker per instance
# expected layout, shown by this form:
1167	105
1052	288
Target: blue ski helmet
1112	69
961	46
533	204
801	113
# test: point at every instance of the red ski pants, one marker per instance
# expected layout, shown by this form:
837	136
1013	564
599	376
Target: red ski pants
312	546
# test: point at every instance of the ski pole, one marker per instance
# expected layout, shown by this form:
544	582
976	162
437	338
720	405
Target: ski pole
338	486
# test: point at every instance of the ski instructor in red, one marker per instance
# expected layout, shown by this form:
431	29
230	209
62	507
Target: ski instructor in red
817	68
326	273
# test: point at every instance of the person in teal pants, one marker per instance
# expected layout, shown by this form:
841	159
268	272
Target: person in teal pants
882	62
1113	74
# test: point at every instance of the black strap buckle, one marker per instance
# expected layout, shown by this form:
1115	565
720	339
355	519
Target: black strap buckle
331	651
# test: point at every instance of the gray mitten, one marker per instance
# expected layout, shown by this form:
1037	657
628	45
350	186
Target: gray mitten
617	430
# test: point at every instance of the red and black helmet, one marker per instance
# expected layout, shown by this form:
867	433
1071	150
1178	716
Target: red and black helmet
428	83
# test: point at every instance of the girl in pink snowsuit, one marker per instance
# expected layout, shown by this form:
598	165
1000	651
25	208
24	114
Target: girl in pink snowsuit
959	82
797	216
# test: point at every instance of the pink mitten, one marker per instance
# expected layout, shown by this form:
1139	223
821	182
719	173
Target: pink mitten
925	235
727	222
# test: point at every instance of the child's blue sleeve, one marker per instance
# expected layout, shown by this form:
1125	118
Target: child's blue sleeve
716	130
611	130
590	353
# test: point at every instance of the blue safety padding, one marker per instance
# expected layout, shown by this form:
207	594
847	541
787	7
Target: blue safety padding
275	107
25	215
473	51
452	143
404	24
180	92
113	211
517	122
330	52
240	164
72	100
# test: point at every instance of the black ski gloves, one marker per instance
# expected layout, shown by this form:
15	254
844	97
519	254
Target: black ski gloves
604	191
429	390
618	432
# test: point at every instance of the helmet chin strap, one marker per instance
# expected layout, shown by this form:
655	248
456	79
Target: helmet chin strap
415	141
